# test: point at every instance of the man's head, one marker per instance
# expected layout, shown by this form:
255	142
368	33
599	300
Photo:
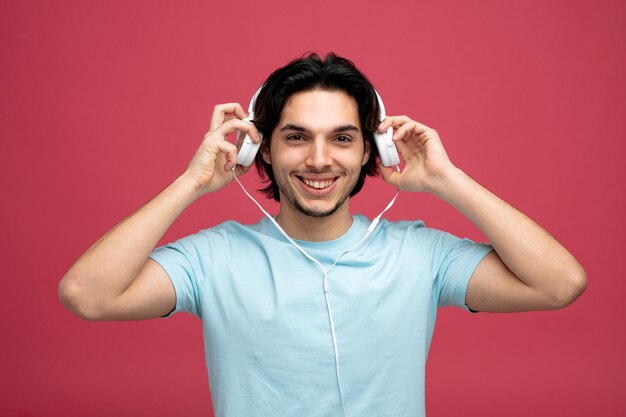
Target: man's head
307	74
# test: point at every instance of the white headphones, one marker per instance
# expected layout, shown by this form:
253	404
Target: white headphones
388	156
386	148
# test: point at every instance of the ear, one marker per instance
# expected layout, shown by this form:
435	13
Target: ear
367	152
265	154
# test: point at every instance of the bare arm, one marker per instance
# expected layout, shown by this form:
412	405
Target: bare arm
115	279
529	270
92	287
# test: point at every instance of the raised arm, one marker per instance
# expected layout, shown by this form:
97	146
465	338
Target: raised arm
115	279
529	269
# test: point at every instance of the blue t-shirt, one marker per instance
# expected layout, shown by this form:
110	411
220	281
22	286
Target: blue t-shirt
267	337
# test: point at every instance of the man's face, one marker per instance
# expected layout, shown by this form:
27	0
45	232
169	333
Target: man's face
317	151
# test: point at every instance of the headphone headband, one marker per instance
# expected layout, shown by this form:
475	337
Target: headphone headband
381	105
386	148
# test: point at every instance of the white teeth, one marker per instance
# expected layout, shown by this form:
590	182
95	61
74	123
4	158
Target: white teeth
318	184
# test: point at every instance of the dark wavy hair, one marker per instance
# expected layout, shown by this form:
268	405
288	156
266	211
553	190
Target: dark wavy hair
310	72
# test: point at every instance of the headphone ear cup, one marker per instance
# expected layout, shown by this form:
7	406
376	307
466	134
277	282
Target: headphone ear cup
248	151
386	148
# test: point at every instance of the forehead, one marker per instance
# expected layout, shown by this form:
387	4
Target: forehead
320	110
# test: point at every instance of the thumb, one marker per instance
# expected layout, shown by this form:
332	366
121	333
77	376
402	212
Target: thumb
390	175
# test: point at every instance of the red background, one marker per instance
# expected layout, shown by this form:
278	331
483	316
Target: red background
104	102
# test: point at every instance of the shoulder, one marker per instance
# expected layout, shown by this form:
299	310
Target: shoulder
399	228
228	230
218	236
415	235
398	236
414	228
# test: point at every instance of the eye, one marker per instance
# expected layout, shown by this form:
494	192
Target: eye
343	139
295	138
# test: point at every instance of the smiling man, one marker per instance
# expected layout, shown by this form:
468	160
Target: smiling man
281	301
316	157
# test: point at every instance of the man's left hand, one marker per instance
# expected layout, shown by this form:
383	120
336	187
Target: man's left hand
426	163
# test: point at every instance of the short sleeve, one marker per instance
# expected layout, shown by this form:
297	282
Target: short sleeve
185	262
453	261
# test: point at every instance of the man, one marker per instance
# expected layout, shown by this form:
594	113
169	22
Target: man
342	323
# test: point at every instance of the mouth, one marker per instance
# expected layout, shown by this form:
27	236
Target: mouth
318	183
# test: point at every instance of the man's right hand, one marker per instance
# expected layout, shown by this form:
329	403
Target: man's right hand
209	170
114	279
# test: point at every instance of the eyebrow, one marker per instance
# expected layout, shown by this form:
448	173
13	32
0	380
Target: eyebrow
338	129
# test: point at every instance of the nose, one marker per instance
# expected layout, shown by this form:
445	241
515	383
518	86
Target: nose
319	154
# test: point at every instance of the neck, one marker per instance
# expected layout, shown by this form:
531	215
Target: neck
314	229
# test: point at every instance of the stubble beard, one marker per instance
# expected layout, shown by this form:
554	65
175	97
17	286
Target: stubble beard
313	213
286	193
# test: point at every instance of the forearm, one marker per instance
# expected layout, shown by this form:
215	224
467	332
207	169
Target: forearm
108	268
529	251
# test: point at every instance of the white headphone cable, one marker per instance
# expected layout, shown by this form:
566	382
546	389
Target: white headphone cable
370	229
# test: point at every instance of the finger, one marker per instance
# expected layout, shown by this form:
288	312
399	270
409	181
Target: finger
221	110
393	121
241	169
404	131
421	128
398	121
389	175
230	153
407	130
236	124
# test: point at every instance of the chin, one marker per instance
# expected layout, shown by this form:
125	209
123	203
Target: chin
313	212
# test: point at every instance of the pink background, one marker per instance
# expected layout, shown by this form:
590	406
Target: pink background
103	103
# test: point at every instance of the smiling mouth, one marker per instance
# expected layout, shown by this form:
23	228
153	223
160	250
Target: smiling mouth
318	184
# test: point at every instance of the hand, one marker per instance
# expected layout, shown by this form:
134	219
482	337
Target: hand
215	158
426	161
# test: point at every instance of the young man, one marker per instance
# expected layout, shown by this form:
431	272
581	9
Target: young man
276	319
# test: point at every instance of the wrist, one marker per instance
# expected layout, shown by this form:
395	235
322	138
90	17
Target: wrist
443	185
188	186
